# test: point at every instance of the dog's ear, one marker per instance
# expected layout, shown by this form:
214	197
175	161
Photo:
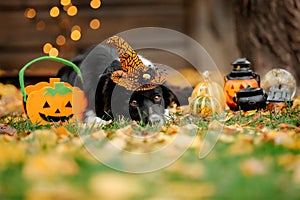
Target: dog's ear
169	96
104	91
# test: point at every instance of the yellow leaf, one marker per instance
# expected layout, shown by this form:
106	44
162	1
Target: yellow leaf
48	166
253	166
113	186
61	131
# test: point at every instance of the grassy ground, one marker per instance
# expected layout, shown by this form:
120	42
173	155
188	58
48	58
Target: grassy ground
256	157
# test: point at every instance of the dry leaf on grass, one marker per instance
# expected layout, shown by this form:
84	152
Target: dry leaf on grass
48	166
113	186
10	100
7	130
253	166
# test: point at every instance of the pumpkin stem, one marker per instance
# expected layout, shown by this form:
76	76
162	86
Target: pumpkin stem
206	76
59	88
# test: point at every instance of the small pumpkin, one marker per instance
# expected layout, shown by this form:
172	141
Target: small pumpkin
204	106
210	88
231	87
54	102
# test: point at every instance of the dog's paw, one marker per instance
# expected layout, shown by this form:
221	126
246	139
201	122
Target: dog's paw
90	117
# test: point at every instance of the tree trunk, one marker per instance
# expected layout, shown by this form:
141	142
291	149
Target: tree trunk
268	34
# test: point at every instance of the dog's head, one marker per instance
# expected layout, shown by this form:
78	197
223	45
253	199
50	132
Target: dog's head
149	106
146	106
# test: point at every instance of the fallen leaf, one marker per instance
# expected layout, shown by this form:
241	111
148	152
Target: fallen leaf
232	129
7	130
172	129
191	170
240	147
127	130
226	138
252	167
182	190
53	190
296	175
113	186
10	100
48	166
61	131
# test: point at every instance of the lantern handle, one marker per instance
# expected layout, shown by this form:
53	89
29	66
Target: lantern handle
64	61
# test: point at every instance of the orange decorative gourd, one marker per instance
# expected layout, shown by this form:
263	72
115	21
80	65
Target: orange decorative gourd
204	106
210	88
240	78
55	101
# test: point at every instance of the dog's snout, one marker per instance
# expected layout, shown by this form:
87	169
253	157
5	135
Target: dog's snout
156	119
156	114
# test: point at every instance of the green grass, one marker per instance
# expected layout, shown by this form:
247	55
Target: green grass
220	175
22	125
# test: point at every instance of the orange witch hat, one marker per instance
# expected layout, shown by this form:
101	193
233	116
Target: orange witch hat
134	74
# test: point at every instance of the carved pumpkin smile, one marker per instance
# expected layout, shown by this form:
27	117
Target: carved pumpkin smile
51	118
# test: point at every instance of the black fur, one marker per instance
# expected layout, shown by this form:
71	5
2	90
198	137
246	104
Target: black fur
109	100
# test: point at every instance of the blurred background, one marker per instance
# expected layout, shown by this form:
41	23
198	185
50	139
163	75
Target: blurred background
226	29
32	28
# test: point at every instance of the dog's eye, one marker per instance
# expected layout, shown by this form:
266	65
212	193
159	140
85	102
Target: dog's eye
157	98
134	103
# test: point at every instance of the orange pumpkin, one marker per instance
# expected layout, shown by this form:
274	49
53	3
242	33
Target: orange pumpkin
204	106
210	88
54	102
233	86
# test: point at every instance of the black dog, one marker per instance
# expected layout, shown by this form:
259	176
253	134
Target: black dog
109	100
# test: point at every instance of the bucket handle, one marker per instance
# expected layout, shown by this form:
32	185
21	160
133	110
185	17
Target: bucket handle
64	61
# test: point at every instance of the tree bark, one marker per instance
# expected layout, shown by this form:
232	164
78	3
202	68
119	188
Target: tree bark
268	34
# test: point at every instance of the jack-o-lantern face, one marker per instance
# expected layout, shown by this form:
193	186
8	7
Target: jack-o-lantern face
63	113
233	86
54	102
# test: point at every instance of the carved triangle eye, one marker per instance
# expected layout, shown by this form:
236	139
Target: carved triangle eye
68	105
46	105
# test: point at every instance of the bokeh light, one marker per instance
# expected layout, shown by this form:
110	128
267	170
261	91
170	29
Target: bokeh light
30	13
54	11
62	12
60	40
41	25
75	35
76	27
67	7
53	52
65	2
95	4
95	24
72	11
47	47
64	22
